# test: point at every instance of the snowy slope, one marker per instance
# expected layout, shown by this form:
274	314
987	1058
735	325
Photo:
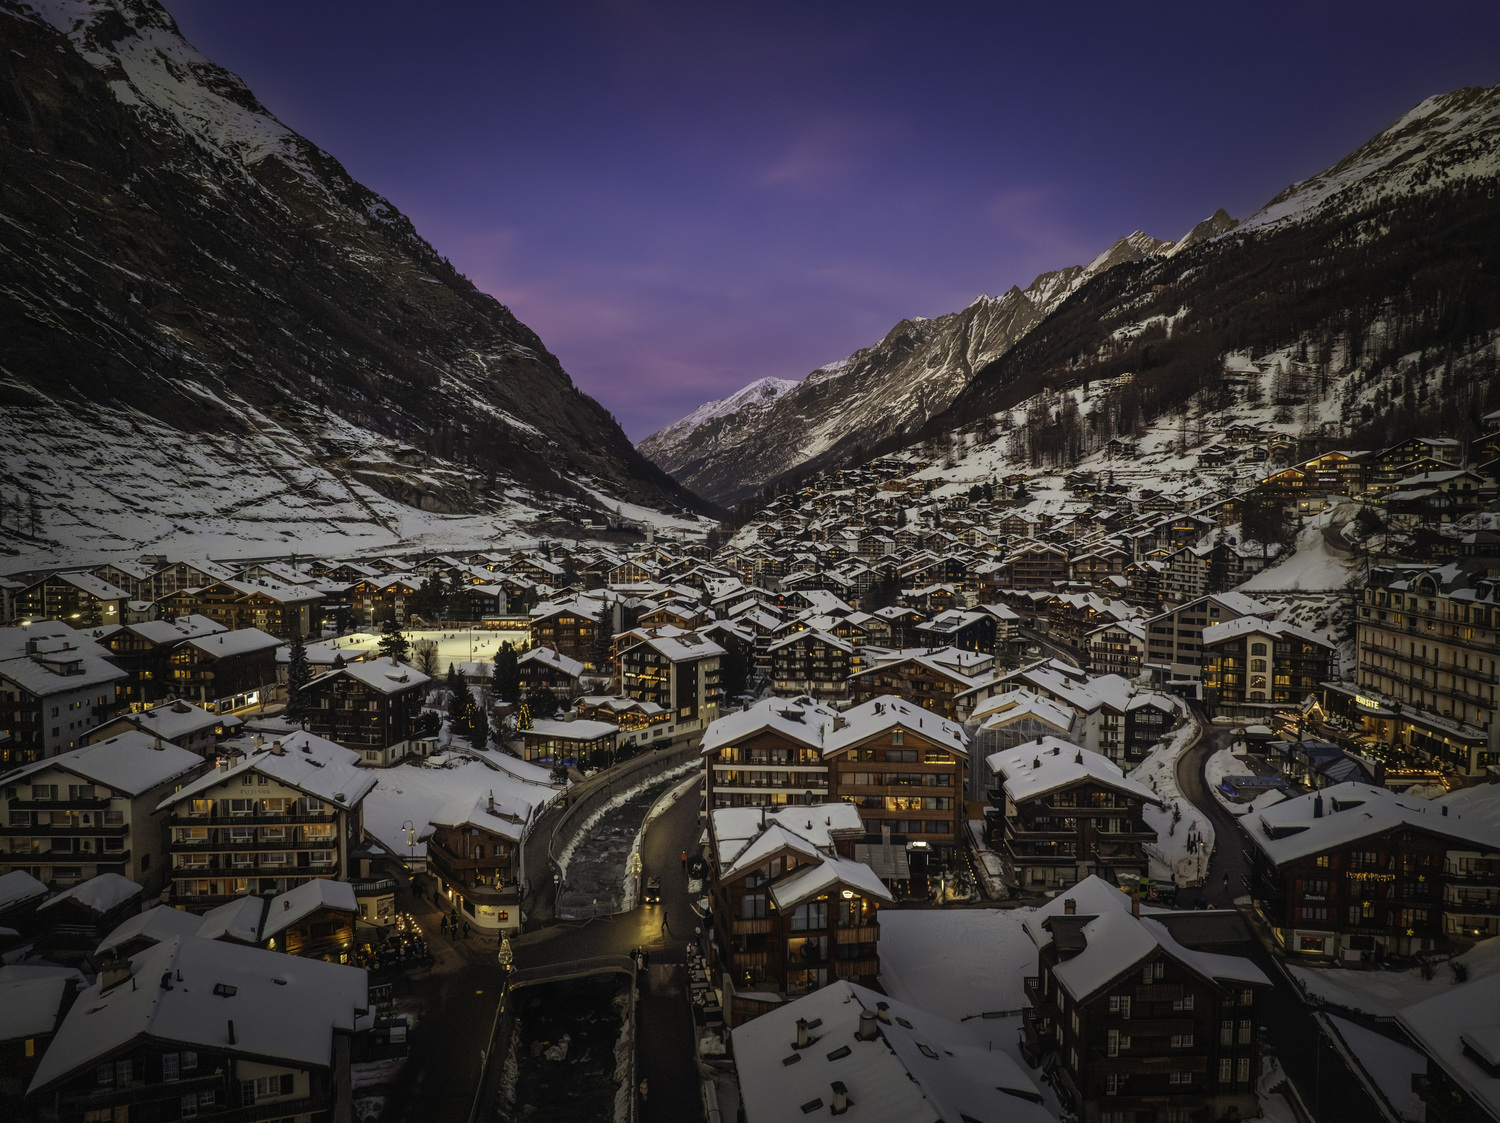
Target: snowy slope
1443	141
727	449
212	328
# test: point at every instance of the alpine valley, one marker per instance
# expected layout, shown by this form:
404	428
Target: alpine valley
1392	252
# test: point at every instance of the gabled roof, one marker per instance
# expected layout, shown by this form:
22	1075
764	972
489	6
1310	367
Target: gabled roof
153	925
1048	764
301	901
132	762
1343	813
241	641
311	764
188	991
97	894
812	881
388	676
919	1068
796	719
881	715
237	920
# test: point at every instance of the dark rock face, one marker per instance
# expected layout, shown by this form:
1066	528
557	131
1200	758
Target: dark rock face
171	251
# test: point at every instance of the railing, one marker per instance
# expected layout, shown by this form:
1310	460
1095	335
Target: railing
854	968
227	820
867	934
752	926
54	830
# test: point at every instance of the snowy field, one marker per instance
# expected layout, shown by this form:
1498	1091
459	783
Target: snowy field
956	962
454	645
1382	993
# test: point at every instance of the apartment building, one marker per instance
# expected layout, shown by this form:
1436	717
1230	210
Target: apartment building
55	686
282	813
373	708
1060	813
1174	638
679	673
811	662
1251	666
1429	664
1144	1016
94	810
796	911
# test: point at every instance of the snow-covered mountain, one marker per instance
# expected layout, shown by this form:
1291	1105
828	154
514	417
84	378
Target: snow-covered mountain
186	281
1418	197
727	449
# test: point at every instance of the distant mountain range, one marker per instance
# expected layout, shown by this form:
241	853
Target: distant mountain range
186	281
1410	216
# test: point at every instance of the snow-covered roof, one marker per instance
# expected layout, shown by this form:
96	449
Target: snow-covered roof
681	647
171	720
1116	942
557	661
301	901
237	920
577	730
1245	625
808	882
241	641
153	925
881	715
132	762
98	894
1459	1029
1090	897
29	1007
773	841
734	828
175	630
389	676
1038	767
188	991
18	886
307	762
919	1068
1020	703
796	719
1343	813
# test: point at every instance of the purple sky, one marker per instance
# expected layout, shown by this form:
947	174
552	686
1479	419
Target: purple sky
681	197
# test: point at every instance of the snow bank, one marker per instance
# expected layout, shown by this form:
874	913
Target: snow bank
1382	993
956	962
1185	837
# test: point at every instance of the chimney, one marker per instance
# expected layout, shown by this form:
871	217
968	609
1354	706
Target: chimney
801	1042
286	906
113	971
1070	906
883	1012
157	745
232	1040
840	1102
1445	809
1318	806
867	1030
166	980
1135	903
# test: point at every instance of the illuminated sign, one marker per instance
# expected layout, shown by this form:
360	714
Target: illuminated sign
1371	876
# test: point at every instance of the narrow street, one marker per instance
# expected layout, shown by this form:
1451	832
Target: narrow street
1330	1090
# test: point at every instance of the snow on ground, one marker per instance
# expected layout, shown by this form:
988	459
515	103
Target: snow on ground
1185	837
1312	567
956	962
455	645
1382	993
416	793
1389	1064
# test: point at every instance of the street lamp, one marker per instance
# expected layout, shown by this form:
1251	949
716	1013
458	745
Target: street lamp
411	838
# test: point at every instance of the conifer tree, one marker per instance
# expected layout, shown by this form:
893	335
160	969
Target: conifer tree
507	674
298	675
393	642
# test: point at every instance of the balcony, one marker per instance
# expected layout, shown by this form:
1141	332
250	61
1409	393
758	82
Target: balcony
97	804
1032	986
327	818
55	831
867	934
182	873
753	926
855	968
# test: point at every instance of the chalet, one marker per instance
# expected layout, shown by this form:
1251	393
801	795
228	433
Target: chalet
678	673
1252	665
93	810
280	814
373	708
1351	870
811	662
1174	639
1059	813
225	671
798	911
314	919
281	610
143	650
375	600
75	920
571	629
541	668
934	680
1144	1016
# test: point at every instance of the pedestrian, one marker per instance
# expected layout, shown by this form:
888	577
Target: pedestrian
684	861
466	929
1226	883
443	925
645	959
643	1091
